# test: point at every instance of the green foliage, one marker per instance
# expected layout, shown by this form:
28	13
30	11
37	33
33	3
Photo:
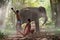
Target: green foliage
10	23
1	35
32	3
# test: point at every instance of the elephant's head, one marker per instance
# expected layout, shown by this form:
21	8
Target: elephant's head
43	14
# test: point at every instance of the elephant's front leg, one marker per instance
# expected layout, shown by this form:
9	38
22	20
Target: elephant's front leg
37	25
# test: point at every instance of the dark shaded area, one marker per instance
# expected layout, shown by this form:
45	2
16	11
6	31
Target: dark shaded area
55	7
3	2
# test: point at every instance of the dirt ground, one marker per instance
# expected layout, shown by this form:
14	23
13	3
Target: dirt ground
35	36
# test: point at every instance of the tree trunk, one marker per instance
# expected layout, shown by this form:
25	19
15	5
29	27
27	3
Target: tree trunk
53	8
58	14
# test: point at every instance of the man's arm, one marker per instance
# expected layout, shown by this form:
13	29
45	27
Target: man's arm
13	10
25	27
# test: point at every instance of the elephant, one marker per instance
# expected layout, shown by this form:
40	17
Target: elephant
33	13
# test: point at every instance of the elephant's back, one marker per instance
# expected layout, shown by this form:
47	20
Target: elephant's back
29	13
29	10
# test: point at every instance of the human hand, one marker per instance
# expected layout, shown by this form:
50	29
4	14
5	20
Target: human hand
12	8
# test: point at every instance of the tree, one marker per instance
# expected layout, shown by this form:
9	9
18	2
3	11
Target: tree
58	14
53	8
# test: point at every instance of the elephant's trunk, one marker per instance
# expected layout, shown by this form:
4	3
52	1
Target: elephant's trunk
45	20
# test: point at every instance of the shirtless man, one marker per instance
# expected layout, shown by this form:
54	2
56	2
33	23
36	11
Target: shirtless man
18	25
27	29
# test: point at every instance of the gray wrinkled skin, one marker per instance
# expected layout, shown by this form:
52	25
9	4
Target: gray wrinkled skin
34	14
